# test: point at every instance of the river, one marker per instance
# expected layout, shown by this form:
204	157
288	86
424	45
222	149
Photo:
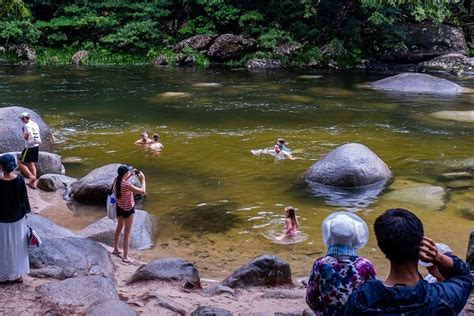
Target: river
217	204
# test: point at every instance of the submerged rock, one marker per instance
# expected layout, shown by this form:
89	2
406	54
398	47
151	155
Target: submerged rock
171	94
53	182
142	235
46	228
418	83
11	137
262	271
78	291
458	116
348	166
427	197
113	307
229	46
69	257
169	270
463	203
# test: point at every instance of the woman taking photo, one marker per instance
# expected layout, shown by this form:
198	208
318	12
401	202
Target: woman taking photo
125	207
14	205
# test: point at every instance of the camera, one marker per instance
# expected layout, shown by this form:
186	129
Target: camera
137	172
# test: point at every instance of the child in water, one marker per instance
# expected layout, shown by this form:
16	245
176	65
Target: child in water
281	149
291	224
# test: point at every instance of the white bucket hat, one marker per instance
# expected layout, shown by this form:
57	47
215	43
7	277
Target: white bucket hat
442	248
345	228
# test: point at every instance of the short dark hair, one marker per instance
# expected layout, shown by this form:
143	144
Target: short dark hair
399	234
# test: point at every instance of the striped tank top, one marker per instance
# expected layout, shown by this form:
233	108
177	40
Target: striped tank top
126	201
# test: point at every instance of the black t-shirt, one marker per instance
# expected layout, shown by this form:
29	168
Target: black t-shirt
14	203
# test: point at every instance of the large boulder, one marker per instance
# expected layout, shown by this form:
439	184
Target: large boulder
454	63
170	270
46	228
113	307
229	46
81	291
418	83
47	163
349	166
11	137
94	187
423	41
142	236
262	271
53	182
70	257
197	43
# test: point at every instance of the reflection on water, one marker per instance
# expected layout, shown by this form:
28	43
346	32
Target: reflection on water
218	205
350	199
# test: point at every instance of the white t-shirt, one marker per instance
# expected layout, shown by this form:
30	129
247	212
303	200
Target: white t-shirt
34	137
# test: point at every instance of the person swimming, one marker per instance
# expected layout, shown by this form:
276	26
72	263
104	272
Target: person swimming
281	149
156	145
291	224
144	140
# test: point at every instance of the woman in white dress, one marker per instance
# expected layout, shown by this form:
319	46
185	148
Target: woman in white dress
14	206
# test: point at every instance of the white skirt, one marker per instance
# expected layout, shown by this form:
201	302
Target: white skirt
14	261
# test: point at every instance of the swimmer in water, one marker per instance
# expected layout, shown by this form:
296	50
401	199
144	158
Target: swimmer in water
281	149
156	145
291	224
144	140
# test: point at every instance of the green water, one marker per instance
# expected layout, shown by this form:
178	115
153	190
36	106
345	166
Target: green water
216	203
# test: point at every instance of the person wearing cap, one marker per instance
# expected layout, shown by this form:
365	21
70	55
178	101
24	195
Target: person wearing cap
14	205
334	276
281	149
400	236
144	140
156	145
29	155
124	192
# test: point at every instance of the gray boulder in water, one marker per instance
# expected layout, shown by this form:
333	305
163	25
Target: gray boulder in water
170	270
70	257
53	182
46	228
113	307
349	166
142	236
81	291
262	271
94	187
418	83
11	137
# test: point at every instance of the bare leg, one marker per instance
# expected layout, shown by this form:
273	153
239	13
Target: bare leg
25	171
118	231
32	167
126	237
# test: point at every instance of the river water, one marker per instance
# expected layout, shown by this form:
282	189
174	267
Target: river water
217	204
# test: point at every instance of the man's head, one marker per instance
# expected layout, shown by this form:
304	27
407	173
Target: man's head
399	233
144	135
156	137
25	117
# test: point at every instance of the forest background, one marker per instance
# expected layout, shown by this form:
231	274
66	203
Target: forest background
136	32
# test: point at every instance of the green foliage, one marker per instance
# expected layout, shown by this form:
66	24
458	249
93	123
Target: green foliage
13	9
273	37
17	32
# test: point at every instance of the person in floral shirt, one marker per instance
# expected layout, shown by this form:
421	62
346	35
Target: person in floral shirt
334	276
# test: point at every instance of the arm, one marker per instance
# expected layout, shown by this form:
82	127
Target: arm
141	190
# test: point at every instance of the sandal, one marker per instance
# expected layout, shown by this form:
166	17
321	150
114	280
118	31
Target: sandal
128	260
31	184
117	253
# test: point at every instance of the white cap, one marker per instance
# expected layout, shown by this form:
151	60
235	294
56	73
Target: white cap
442	248
25	114
345	228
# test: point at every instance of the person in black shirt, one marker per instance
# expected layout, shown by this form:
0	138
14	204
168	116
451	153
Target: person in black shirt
14	205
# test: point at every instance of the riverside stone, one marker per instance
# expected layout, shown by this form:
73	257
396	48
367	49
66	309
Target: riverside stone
450	62
169	270
197	43
426	197
48	163
216	290
264	64
53	182
262	271
285	294
11	137
78	291
142	235
349	166
211	311
457	116
77	58
110	307
69	257
418	83
165	302
47	229
229	46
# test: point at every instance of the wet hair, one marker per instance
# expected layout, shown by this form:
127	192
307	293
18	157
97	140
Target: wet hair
8	163
281	140
292	215
399	234
121	171
156	137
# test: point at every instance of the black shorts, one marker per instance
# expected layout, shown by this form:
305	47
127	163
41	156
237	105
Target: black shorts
29	154
123	213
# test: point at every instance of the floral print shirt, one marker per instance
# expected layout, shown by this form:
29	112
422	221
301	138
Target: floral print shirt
334	277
